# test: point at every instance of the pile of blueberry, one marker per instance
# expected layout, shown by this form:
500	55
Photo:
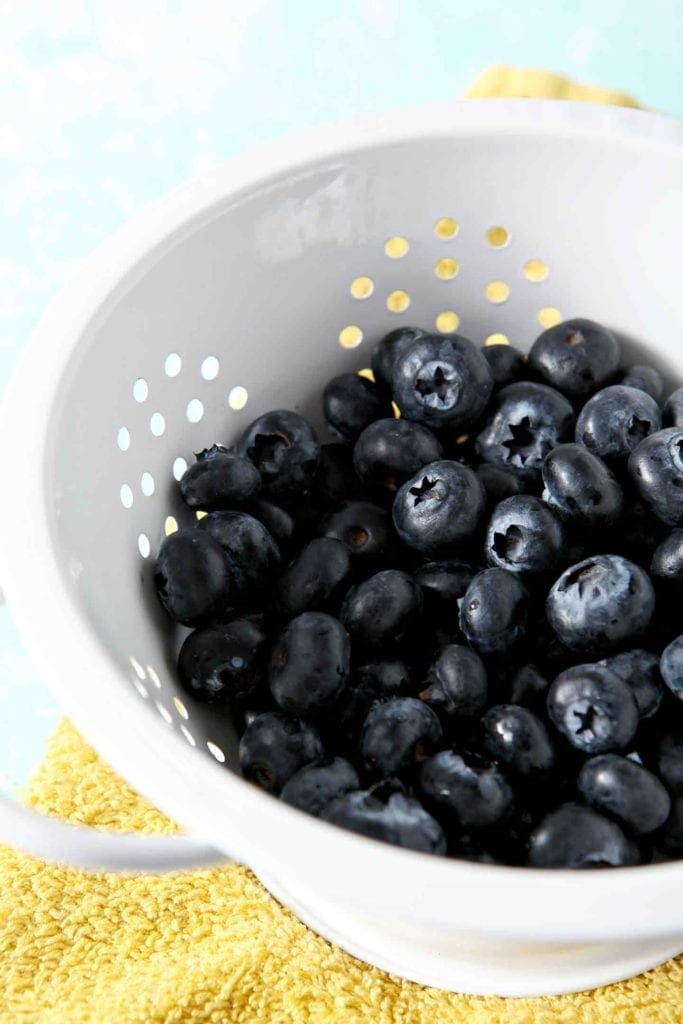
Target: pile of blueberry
459	630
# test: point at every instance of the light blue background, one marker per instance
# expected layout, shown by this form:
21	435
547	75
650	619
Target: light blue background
106	105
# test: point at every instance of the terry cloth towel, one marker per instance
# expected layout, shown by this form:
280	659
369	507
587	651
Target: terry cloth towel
213	947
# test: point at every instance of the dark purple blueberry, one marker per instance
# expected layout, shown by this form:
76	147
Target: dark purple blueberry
526	422
283	447
456	683
672	413
442	381
439	508
581	487
615	420
396	734
625	790
600	602
593	708
387	351
656	468
517	739
315	786
469	793
640	670
523	536
219	479
335	479
389	451
382	611
310	664
499	483
384	677
280	524
223	663
671	837
666	759
315	580
443	584
646	378
351	403
671	666
364	528
506	363
493	612
576	356
192	577
667	561
529	687
252	554
274	746
373	681
573	836
385	812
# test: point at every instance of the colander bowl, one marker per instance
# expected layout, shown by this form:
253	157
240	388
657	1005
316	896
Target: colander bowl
243	291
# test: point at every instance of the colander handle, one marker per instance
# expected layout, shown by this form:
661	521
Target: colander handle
93	849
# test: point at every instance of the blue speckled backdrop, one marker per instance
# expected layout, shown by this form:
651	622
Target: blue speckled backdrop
105	105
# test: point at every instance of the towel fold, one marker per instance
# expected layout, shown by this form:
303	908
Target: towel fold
213	947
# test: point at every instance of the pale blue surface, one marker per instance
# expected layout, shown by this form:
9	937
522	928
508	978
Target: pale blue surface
107	105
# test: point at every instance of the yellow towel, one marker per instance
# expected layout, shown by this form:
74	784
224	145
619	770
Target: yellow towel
213	947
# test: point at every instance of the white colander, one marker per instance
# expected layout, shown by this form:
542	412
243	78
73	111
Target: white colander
247	290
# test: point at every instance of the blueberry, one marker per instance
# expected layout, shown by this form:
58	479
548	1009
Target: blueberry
310	663
390	451
439	508
581	487
442	381
518	739
443	584
593	708
456	683
335	478
280	524
526	422
219	479
646	378
656	468
615	420
386	813
283	447
351	403
672	413
315	580
274	746
498	483
471	793
523	536
493	612
387	351
223	663
671	838
397	734
667	759
506	363
600	602
384	677
252	554
573	836
671	666
576	356
529	687
315	786
640	670
382	611
364	528
625	790
192	576
667	561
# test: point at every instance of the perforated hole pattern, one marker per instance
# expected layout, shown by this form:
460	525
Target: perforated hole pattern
408	266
